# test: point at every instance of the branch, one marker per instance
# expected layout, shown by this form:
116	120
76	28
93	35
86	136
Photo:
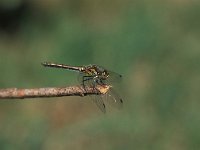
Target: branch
15	93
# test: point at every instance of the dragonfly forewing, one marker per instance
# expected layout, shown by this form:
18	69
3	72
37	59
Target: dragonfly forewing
114	78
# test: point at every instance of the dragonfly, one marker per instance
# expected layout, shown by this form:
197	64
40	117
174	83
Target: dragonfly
96	77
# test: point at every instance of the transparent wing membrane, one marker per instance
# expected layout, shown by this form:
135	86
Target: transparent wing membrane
114	99
99	102
114	78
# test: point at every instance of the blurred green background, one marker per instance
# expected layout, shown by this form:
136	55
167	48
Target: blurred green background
154	44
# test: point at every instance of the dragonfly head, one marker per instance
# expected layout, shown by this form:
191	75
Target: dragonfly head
105	74
100	72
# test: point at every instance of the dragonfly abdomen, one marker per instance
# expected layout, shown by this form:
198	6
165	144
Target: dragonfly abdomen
54	65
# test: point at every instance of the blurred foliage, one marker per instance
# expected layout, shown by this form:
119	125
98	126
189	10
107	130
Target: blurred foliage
154	44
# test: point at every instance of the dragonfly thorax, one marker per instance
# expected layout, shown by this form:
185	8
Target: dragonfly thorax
96	71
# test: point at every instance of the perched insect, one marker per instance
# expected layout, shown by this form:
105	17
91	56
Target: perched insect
96	77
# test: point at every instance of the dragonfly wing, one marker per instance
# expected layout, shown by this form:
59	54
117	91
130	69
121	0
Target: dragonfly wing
99	102
114	99
80	78
114	78
89	81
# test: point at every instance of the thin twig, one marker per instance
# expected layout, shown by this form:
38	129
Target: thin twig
15	93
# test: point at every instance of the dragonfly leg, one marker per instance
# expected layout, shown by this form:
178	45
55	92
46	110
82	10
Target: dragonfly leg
85	79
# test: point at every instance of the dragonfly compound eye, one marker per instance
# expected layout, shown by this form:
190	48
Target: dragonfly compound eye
105	73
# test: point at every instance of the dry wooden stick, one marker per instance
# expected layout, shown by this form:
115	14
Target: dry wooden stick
15	93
